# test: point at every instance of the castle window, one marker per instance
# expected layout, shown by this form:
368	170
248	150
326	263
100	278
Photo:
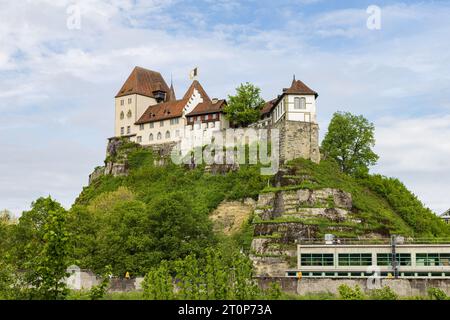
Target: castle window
159	136
122	131
167	134
141	127
299	103
177	133
139	139
161	123
150	137
174	121
122	102
130	100
122	115
129	114
152	125
128	130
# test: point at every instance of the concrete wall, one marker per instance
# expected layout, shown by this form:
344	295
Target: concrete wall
403	287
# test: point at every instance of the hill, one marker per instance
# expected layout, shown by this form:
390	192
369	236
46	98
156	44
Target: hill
157	212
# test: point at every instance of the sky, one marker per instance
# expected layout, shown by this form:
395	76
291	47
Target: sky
60	71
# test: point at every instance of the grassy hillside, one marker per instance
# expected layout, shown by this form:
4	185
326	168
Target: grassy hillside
161	212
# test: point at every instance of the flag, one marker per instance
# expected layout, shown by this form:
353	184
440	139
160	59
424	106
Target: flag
193	74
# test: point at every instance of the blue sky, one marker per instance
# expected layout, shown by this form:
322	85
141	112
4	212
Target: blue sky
57	84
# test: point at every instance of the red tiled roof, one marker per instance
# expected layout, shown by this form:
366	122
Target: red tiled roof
298	87
174	109
163	111
208	107
144	82
268	106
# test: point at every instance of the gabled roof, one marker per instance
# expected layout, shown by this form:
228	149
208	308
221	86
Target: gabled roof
196	85
208	107
174	109
144	82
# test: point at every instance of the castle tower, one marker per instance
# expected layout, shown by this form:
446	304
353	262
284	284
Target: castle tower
294	115
142	89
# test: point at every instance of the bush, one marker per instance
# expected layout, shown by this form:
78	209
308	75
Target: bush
384	293
348	293
437	294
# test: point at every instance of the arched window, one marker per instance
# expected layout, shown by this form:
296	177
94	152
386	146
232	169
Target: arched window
122	115
129	114
159	136
167	134
150	137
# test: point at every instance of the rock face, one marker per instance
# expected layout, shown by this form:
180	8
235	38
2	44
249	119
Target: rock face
330	203
231	215
285	217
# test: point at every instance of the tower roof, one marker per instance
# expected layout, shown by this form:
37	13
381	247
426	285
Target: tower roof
144	82
298	87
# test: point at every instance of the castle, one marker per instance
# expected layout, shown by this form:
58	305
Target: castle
147	112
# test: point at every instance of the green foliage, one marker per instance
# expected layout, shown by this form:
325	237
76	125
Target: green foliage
348	293
384	293
158	283
220	275
42	249
244	108
53	261
437	294
349	141
407	206
99	291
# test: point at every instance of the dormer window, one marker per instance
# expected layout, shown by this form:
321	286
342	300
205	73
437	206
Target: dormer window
159	95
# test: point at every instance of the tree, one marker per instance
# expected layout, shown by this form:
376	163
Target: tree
244	108
53	260
41	249
349	141
176	228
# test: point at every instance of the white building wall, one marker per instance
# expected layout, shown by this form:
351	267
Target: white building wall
305	115
136	105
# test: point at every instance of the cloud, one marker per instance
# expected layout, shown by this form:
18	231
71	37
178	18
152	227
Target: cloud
58	84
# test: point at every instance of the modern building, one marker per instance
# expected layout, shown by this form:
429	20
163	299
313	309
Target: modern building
411	260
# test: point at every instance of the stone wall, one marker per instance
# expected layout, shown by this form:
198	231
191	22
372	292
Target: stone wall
298	140
403	287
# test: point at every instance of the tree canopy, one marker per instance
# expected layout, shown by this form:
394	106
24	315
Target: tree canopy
349	141
244	108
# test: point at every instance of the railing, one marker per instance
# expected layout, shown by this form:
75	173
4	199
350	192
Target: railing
368	241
